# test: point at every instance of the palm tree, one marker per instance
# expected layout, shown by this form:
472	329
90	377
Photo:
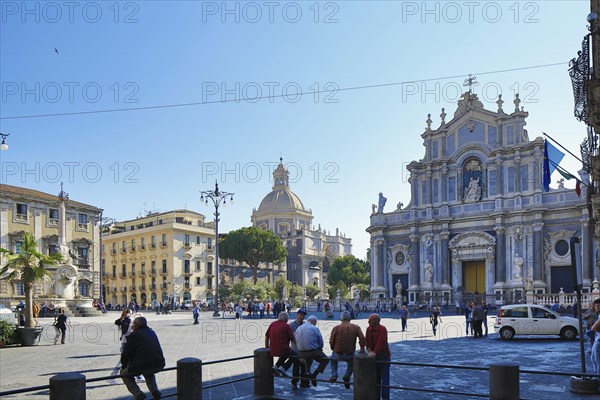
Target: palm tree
29	267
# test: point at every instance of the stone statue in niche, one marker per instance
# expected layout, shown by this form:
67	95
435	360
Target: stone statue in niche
398	288
473	191
428	271
518	267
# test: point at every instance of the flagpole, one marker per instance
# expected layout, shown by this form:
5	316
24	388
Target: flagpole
564	148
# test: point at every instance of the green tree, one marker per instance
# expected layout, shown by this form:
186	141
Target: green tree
252	246
312	291
348	270
29	267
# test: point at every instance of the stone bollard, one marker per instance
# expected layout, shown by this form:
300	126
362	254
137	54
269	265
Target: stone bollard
189	379
504	381
264	384
67	386
365	378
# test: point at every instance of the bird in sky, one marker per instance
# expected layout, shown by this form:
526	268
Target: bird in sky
56	50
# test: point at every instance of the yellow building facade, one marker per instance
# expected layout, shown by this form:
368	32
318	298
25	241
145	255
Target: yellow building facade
162	257
59	225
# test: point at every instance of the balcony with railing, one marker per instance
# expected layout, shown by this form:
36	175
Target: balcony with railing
164	286
132	288
187	272
123	250
123	275
142	247
123	288
152	246
152	272
163	244
113	251
142	287
132	274
163	273
153	286
21	217
142	272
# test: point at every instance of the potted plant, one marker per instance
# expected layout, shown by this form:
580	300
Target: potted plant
29	267
7	333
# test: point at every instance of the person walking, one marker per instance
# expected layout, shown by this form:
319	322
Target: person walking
277	339
595	330
310	348
435	318
478	316
403	315
60	323
469	318
124	321
196	312
142	355
343	344
376	341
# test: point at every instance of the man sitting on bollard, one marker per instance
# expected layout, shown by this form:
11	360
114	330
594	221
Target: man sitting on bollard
343	344
310	345
142	355
298	369
277	340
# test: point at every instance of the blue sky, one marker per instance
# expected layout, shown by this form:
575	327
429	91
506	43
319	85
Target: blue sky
345	147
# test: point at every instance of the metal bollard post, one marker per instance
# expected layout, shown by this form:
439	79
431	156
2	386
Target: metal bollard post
264	384
189	379
67	386
365	378
504	381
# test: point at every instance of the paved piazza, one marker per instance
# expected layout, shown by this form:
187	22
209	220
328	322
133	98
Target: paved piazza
93	349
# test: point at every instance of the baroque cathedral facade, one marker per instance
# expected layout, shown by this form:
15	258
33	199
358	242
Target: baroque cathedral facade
479	220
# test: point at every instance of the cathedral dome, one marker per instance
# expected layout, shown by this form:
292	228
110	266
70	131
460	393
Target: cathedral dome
281	198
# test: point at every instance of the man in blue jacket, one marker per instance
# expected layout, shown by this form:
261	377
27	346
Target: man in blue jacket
142	355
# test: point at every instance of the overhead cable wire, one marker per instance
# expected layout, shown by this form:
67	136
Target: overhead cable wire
193	104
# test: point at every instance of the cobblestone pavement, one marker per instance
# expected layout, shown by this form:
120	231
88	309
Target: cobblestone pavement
93	349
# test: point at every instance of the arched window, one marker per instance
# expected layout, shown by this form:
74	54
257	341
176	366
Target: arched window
84	289
187	296
165	297
153	296
124	300
19	288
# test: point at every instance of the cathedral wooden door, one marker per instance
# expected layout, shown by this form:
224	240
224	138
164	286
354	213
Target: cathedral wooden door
473	274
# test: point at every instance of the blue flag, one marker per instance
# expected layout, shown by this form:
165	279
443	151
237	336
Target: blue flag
552	157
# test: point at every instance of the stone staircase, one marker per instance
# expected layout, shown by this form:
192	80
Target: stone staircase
75	311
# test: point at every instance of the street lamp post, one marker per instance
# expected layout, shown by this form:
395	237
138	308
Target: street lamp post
3	147
102	223
216	196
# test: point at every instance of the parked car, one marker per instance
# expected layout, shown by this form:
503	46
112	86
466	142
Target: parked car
7	314
533	319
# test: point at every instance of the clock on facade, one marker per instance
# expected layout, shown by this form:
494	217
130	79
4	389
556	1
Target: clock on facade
400	258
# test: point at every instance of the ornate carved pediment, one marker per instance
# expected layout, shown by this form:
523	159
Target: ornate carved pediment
558	253
399	258
81	242
472	239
